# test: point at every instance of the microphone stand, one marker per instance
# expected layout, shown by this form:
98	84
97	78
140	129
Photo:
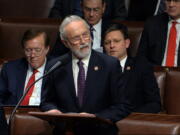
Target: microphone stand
27	90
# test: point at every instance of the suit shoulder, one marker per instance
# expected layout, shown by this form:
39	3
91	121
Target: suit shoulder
14	63
154	20
142	63
105	57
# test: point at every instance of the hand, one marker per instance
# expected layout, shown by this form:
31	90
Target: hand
87	114
54	111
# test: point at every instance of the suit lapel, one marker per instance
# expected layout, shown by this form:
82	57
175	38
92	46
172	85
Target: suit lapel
71	85
21	74
129	65
104	26
70	88
178	59
94	68
163	29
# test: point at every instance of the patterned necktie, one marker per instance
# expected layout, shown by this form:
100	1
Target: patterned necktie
171	45
81	82
91	32
31	80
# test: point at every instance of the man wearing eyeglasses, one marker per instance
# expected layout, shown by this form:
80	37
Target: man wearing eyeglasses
17	75
87	84
161	37
93	12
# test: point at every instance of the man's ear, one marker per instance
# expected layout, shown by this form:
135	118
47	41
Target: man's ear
104	7
127	42
65	43
47	49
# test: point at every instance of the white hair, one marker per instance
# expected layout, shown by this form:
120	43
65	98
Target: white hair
66	21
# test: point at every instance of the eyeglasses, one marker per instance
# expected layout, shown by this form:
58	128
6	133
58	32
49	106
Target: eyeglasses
77	39
36	51
173	0
95	10
109	42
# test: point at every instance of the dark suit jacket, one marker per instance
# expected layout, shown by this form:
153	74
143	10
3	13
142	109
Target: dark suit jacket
60	49
140	10
153	40
140	81
115	9
3	123
101	95
12	80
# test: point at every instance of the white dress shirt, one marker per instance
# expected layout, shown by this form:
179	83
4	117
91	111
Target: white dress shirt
122	63
97	37
35	98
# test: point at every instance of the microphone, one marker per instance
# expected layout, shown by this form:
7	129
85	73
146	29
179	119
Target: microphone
60	61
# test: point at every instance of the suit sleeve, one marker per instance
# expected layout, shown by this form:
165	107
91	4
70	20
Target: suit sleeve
120	105
48	100
56	10
115	9
119	10
144	42
152	102
3	84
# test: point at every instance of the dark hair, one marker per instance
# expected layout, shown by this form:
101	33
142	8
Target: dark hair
30	34
118	27
103	1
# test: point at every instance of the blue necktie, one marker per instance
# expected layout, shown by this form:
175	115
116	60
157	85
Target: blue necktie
81	82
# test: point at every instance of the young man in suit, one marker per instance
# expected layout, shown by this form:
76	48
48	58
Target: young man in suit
138	75
16	75
161	37
93	11
87	84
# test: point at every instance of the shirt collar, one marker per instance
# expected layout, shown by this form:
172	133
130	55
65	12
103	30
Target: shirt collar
123	62
98	25
178	20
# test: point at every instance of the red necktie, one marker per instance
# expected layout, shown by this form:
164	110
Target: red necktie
31	80
171	45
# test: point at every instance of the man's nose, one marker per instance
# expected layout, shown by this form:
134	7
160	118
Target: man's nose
112	44
91	12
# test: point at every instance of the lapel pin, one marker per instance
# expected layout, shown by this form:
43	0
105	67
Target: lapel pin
128	68
96	68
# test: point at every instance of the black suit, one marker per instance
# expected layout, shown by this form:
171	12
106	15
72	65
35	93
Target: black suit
11	88
102	96
140	10
142	86
115	9
154	38
3	123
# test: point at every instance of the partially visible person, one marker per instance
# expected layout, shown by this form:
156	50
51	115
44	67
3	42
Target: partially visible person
115	9
138	74
141	10
17	75
87	84
93	11
161	37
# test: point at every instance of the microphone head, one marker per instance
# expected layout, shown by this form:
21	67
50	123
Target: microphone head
58	61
